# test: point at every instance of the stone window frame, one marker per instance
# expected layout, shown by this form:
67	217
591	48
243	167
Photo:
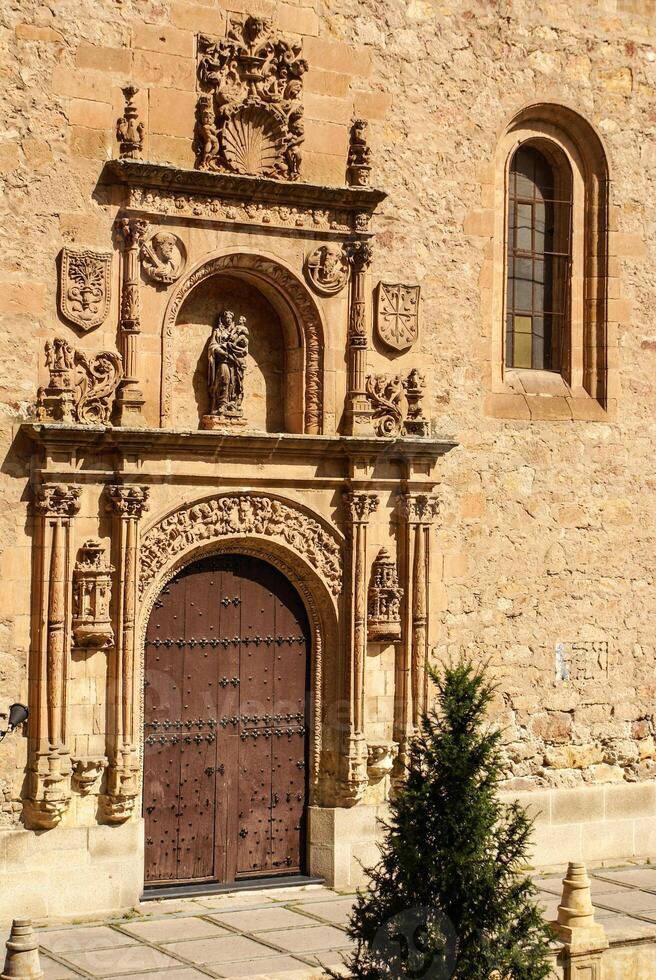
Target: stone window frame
586	387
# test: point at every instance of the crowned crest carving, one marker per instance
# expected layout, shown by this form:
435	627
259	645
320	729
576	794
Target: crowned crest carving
81	388
250	115
397	404
327	269
397	315
84	288
219	517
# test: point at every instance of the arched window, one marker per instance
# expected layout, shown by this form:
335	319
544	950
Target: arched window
539	258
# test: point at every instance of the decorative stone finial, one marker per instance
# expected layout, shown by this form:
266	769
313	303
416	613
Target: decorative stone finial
129	135
358	164
22	960
575	925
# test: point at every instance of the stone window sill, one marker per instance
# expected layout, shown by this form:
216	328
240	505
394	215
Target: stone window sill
544	396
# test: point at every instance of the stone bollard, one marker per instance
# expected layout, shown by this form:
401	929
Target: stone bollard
22	960
583	939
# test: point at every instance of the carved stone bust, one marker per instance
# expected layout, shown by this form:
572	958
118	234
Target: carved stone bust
163	257
226	366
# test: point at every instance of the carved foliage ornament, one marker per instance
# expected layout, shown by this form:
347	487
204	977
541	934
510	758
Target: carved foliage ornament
84	287
397	315
327	269
81	388
250	117
219	517
397	404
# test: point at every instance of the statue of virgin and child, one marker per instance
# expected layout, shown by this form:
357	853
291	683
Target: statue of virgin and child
226	356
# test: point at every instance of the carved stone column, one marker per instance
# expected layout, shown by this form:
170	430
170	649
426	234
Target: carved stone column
127	505
129	398
417	511
359	506
49	775
358	407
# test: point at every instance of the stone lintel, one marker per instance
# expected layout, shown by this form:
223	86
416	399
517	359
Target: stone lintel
260	446
203	195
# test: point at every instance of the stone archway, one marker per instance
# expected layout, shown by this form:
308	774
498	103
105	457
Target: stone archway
291	293
300	544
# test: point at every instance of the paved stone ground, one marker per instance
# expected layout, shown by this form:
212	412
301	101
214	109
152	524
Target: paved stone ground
281	934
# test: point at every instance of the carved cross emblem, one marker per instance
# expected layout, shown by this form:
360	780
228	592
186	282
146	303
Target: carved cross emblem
397	314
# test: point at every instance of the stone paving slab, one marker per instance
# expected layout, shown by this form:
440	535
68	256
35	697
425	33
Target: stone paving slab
281	934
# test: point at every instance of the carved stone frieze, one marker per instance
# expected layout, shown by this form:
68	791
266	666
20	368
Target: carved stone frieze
129	133
250	117
213	519
163	257
384	613
296	294
226	367
92	589
81	389
327	269
358	164
199	206
397	404
84	287
397	315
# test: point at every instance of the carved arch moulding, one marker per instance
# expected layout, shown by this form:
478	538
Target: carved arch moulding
291	290
241	515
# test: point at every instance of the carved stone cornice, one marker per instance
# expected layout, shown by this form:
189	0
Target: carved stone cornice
360	505
58	500
127	501
418	508
196	195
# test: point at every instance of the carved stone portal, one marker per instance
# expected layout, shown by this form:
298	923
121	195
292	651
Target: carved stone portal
384	619
327	269
219	517
163	257
92	589
397	404
397	315
226	355
250	119
84	286
81	389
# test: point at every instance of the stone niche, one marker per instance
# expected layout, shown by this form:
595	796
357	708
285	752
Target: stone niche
272	401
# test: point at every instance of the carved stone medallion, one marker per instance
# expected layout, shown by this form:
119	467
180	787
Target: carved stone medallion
397	315
163	257
327	269
84	287
250	119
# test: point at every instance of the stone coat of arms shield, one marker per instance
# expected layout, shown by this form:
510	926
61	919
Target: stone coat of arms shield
397	314
84	286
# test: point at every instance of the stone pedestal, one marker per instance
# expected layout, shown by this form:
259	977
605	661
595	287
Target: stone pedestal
22	960
584	940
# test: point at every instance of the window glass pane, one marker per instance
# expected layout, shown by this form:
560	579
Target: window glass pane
538	260
522	345
524	227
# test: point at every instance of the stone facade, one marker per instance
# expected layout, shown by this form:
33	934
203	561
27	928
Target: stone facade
517	507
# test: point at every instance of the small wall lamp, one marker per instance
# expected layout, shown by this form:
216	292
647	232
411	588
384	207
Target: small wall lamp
18	713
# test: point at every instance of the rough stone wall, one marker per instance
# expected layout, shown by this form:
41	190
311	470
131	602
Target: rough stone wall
547	533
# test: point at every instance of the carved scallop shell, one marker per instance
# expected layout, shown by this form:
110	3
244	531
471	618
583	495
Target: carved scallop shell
253	140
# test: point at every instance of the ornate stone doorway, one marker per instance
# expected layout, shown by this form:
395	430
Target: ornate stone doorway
226	704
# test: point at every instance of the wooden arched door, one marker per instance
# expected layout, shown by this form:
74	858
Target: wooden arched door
225	725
